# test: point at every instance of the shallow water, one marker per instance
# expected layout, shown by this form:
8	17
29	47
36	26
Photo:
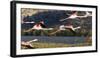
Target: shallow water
66	40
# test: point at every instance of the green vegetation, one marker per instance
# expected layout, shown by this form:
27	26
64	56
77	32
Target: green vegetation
59	33
55	45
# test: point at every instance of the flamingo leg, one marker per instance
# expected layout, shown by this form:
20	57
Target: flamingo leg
55	32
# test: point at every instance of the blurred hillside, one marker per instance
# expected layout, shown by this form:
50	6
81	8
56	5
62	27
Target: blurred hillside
51	18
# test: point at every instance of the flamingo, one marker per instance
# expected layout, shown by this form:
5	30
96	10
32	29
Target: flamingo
70	27
74	15
37	26
28	43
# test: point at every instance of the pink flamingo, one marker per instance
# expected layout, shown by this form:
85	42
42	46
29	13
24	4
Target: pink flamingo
74	15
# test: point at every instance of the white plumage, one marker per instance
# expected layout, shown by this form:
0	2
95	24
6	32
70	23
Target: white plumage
62	27
74	15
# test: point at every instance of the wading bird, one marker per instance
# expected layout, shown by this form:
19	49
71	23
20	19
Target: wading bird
28	43
37	26
74	15
64	27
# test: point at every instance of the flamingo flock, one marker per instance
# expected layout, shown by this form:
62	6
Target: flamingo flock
41	25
